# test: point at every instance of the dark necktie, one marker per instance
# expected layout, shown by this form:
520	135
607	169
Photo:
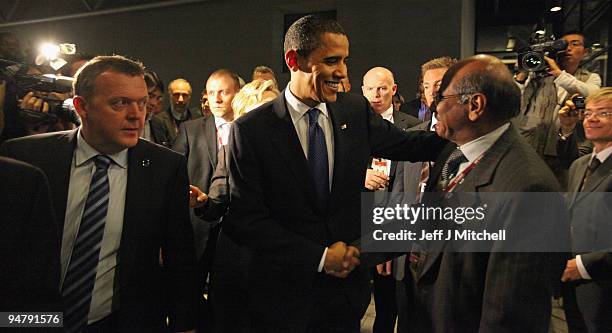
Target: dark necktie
317	156
589	171
451	166
81	274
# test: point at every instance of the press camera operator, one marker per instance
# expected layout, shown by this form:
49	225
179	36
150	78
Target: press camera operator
543	96
33	103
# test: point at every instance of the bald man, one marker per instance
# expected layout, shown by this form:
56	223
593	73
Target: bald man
492	290
178	112
378	88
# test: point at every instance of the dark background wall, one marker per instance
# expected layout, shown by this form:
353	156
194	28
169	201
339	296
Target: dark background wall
191	40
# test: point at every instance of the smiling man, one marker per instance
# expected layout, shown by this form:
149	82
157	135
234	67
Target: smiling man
590	270
296	169
118	200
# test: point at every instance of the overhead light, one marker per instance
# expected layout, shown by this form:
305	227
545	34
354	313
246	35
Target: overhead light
555	5
540	32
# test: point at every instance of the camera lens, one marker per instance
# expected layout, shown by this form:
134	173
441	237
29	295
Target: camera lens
532	61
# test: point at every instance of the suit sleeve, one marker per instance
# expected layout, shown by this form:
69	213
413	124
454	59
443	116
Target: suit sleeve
179	254
392	143
598	264
249	220
218	195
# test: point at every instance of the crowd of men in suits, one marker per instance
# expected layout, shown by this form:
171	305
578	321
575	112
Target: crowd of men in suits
261	210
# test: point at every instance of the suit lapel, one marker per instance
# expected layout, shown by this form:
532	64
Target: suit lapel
61	164
482	175
598	176
285	140
574	187
211	142
593	181
138	191
341	151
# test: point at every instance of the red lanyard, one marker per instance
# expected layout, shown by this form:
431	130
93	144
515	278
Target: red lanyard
459	178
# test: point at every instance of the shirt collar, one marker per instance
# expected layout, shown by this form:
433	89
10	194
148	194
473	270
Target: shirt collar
220	122
603	155
295	106
85	152
388	114
473	149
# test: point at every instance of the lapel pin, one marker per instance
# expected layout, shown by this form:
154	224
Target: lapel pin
146	163
343	126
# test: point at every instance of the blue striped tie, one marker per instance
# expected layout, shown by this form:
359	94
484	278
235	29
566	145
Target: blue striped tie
81	275
317	156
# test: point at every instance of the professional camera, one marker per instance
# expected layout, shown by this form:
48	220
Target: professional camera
531	58
48	87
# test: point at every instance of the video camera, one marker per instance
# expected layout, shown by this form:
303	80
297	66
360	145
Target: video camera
15	74
531	58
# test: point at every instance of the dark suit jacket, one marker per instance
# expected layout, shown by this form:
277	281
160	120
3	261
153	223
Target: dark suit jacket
29	240
197	141
406	181
493	291
156	216
168	121
273	209
159	132
411	107
592	239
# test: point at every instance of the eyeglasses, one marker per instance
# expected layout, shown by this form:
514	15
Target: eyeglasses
598	115
575	43
439	98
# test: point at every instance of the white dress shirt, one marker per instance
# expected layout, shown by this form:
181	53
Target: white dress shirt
299	117
81	171
475	148
602	156
223	129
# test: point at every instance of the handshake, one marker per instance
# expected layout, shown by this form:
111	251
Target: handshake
340	260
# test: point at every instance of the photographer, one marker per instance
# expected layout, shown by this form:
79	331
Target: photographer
542	97
34	103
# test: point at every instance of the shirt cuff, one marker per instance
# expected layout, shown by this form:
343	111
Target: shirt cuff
581	269
322	262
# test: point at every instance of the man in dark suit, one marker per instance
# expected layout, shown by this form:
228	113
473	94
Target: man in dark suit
412	177
591	268
379	88
29	242
119	200
200	140
493	290
296	169
180	92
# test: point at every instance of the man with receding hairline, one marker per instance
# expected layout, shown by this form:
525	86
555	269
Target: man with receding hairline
178	112
379	88
492	291
200	141
119	200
